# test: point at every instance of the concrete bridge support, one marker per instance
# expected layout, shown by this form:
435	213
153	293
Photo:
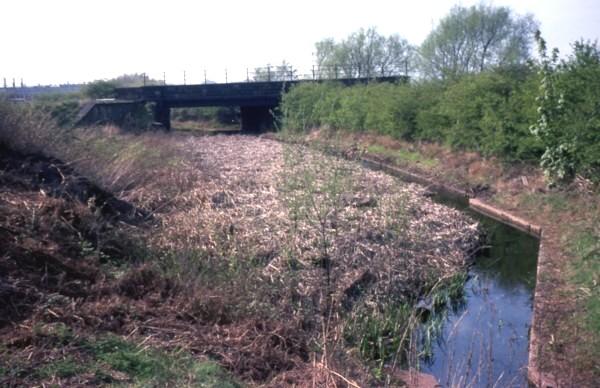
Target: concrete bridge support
104	112
257	118
162	114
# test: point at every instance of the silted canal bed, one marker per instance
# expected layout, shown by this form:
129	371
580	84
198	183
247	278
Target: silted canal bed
357	259
482	340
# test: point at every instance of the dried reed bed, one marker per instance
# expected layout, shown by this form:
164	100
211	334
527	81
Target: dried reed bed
315	235
263	201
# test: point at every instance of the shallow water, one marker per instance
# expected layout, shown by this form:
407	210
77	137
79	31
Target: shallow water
484	341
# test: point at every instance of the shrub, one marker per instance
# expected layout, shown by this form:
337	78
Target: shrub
568	122
491	112
488	112
100	89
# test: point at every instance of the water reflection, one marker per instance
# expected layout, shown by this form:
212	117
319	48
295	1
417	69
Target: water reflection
484	343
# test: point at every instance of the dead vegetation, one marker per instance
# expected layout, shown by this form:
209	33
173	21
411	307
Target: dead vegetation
230	248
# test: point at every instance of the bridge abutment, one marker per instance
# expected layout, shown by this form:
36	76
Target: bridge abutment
256	118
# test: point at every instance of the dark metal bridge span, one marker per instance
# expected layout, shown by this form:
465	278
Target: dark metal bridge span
255	99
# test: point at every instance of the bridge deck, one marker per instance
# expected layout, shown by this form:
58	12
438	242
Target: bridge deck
230	94
255	99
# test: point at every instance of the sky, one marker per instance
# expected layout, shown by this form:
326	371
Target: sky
74	41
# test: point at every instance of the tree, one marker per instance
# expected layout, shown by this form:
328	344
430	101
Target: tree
364	53
474	39
283	72
100	89
106	88
568	123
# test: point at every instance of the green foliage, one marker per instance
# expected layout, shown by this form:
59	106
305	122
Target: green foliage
568	120
106	88
474	39
149	367
62	108
310	105
100	89
489	112
63	368
402	156
587	272
380	335
364	53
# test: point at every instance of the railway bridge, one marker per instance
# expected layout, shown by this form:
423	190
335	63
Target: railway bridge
256	100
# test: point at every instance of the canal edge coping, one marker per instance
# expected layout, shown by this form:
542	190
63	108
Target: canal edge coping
534	374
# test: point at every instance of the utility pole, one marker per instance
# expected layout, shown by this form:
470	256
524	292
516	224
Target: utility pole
14	85
144	78
4	82
225	75
164	78
247	75
22	85
204	76
184	79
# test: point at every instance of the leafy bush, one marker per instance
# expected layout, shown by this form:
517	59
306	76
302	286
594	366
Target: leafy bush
568	121
311	105
62	108
491	113
100	89
488	112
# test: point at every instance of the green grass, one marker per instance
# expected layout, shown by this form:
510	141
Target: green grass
110	360
150	367
379	334
587	276
402	156
63	368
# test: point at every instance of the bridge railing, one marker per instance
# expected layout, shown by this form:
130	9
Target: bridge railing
290	73
272	74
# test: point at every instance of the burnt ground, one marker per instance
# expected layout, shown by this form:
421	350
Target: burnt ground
210	274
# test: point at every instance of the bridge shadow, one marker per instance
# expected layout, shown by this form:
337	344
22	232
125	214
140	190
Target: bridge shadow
210	132
207	127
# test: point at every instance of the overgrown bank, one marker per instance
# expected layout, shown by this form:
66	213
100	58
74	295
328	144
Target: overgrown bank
280	272
545	114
